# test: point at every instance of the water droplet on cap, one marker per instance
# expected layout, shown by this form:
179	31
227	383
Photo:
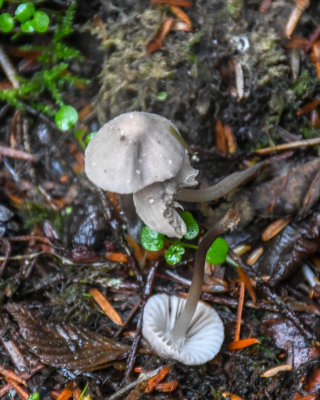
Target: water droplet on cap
151	200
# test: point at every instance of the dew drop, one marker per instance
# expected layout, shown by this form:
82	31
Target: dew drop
138	171
151	200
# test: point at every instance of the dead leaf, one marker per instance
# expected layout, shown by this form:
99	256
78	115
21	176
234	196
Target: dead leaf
64	345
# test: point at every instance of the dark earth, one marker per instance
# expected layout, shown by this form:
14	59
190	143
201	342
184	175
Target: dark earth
235	80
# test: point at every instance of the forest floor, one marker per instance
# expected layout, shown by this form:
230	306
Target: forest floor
240	79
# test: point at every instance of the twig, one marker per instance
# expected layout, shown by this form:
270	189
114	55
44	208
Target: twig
130	316
13	153
6	256
147	292
23	256
8	68
289	146
132	385
282	307
239	312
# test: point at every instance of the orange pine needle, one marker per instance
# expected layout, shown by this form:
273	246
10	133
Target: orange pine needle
274	228
167	387
116	257
232	396
154	381
181	15
65	395
137	250
315	56
9	374
23	394
181	3
308	107
220	137
156	42
239	312
106	306
244	278
275	370
242	343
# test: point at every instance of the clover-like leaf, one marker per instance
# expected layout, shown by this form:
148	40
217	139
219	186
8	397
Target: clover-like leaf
24	11
174	253
6	22
217	252
40	21
66	117
151	240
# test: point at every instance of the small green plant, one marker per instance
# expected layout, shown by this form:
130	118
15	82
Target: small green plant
30	19
55	57
154	241
34	396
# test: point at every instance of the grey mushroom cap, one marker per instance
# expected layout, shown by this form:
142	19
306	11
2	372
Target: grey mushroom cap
203	339
133	151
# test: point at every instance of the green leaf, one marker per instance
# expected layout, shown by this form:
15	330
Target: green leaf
24	11
217	252
151	240
1	3
66	117
40	21
27	27
174	253
192	226
6	22
34	396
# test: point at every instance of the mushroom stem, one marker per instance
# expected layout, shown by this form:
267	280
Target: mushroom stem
223	187
131	218
183	321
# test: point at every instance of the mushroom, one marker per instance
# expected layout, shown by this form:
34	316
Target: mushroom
187	330
144	154
203	338
137	153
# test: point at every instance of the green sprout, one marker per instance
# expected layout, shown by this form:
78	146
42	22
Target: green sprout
154	241
66	118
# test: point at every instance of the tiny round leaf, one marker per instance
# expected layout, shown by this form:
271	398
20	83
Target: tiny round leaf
151	240
174	253
40	21
27	27
217	252
66	117
24	11
6	22
192	226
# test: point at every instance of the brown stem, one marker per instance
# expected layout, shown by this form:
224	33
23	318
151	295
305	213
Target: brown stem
184	319
223	187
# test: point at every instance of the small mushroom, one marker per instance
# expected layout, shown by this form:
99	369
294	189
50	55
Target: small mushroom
143	154
137	153
187	330
202	340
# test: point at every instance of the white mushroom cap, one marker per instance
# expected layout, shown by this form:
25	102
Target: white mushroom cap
133	151
203	339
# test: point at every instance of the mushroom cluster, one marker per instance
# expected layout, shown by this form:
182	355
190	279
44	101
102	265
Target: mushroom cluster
144	155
